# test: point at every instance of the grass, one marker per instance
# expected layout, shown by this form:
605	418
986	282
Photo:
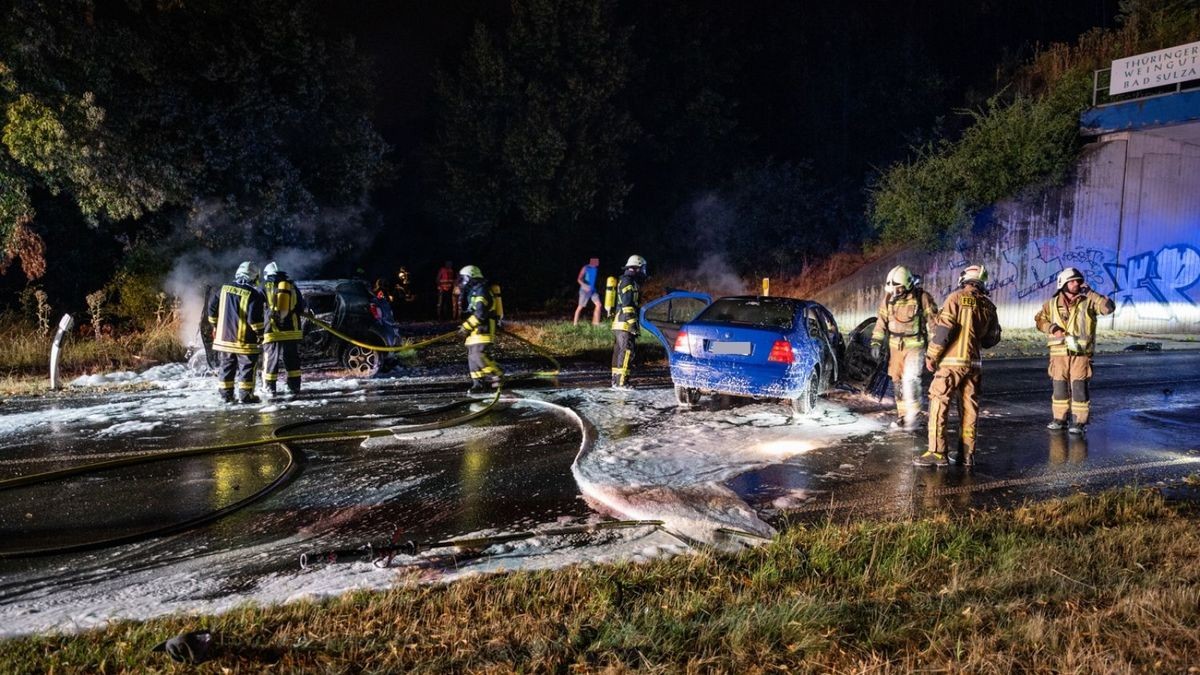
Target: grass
583	341
25	355
1084	584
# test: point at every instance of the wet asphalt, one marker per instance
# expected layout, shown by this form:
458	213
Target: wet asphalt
511	470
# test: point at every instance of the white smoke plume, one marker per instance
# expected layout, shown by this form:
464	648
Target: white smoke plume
714	221
198	269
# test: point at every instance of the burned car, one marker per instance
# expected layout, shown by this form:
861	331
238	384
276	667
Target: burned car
345	304
348	306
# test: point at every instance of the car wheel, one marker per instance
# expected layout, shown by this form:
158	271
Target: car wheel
361	361
806	402
687	395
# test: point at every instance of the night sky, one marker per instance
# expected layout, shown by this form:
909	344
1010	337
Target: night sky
848	87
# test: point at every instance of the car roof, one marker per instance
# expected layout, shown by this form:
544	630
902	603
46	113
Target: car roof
329	284
773	298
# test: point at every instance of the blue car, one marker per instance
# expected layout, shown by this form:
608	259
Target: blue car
755	346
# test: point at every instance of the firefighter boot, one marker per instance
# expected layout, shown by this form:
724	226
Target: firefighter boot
1057	425
932	459
477	387
226	396
248	398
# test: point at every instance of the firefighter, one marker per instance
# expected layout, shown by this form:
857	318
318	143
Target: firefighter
1069	319
236	314
445	290
625	304
483	310
903	320
281	337
965	326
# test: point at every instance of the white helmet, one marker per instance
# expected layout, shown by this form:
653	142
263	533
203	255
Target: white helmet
636	261
1068	274
270	270
248	271
899	277
471	272
973	273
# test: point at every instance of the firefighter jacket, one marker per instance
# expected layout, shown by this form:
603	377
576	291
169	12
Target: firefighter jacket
483	313
285	304
628	302
966	325
236	313
905	318
1077	318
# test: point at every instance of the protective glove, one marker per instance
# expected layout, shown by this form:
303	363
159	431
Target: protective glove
876	351
930	365
462	330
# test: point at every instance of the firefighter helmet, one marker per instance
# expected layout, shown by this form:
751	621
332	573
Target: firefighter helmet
1068	274
899	277
248	271
471	272
636	261
270	270
976	273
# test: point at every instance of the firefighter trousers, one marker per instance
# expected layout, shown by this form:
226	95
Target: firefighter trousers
481	364
240	366
904	367
1070	376
287	354
963	385
624	351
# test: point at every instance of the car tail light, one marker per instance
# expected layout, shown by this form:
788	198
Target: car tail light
681	342
376	313
781	352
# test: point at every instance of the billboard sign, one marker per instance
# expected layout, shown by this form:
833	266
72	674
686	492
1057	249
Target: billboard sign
1155	69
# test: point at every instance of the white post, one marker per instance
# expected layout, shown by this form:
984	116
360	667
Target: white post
64	326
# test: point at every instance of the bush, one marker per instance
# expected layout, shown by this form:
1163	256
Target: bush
1019	139
1010	145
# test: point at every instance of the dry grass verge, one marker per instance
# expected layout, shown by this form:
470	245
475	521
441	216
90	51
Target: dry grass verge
1084	584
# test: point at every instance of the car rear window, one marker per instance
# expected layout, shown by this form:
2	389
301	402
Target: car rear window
764	312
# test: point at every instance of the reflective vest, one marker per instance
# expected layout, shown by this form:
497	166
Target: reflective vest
482	306
237	315
965	327
284	306
1078	321
905	319
445	279
628	302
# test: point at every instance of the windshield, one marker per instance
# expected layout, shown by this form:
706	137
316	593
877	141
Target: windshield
764	312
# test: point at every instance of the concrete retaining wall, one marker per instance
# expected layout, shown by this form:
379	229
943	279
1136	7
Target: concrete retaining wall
1129	219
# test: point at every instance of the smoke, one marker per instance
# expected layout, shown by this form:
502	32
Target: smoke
713	222
324	236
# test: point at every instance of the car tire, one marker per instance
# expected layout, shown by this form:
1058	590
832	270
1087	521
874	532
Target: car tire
687	395
361	361
806	402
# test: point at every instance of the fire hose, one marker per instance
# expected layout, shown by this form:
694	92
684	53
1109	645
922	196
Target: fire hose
414	346
283	441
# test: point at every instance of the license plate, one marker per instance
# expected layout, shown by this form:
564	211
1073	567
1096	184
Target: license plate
736	348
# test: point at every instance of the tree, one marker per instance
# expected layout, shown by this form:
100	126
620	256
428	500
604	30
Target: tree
533	134
141	111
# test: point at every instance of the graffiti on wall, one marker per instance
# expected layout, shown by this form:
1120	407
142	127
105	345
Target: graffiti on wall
1160	284
1155	284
